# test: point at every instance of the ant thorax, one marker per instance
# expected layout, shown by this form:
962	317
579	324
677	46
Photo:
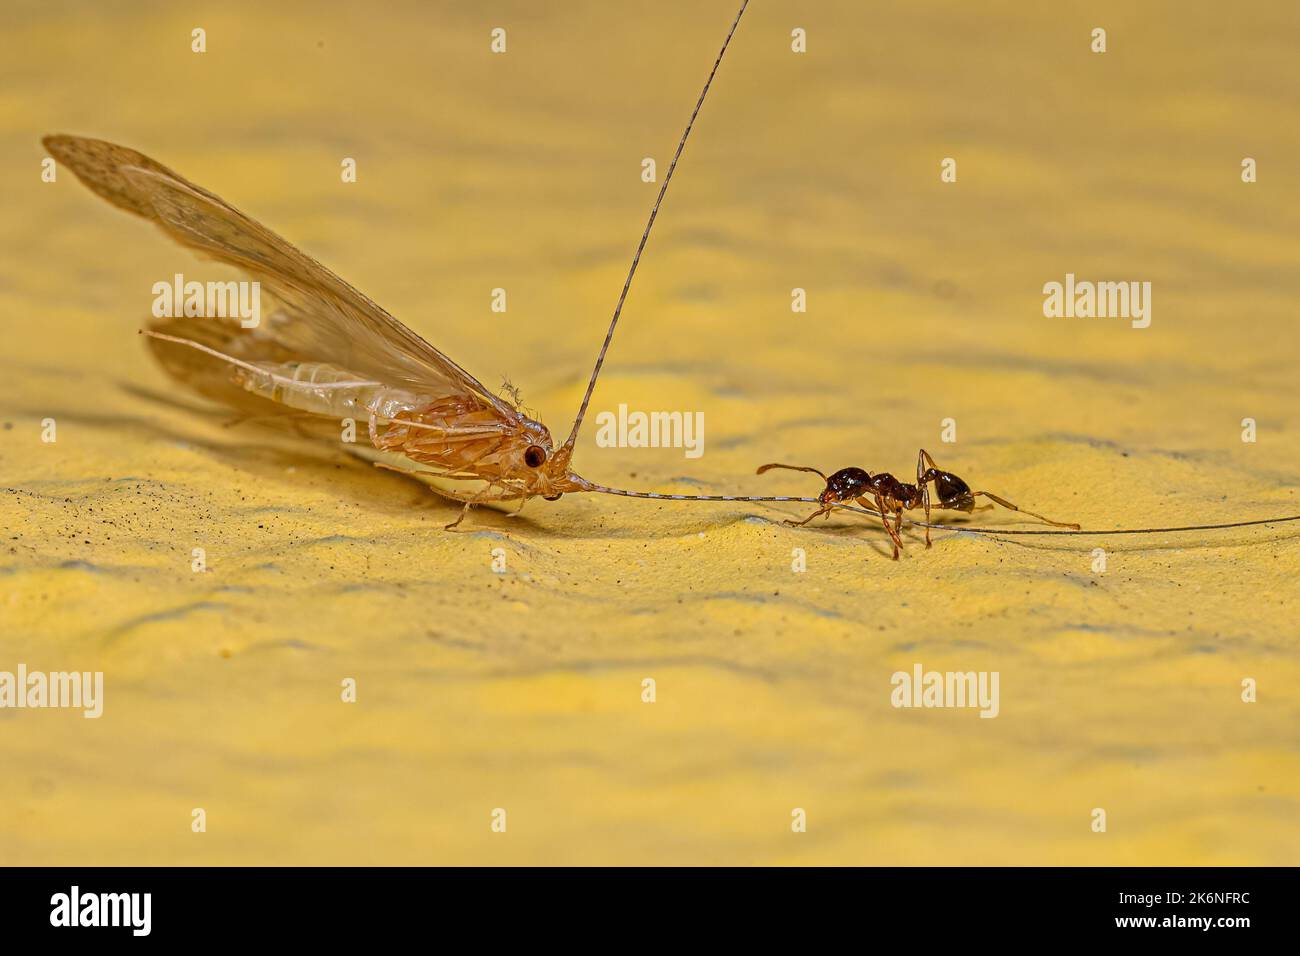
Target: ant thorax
891	489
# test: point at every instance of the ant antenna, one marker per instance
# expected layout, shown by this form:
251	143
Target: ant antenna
815	471
567	449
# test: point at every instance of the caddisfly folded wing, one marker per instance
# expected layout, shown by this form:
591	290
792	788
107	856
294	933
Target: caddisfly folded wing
321	318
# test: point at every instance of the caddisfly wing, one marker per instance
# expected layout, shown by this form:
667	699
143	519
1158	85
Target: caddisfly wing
321	318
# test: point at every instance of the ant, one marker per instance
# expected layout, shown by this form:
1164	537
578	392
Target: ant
885	495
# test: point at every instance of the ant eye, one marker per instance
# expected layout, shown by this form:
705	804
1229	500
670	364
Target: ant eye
535	456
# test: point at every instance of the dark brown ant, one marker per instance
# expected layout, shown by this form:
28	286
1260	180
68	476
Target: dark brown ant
885	495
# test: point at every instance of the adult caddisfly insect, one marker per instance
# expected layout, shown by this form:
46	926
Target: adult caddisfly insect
326	353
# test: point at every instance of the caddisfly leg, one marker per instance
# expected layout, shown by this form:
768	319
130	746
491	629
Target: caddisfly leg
421	475
478	498
468	500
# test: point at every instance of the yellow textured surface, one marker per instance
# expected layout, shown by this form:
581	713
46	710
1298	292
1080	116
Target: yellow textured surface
522	690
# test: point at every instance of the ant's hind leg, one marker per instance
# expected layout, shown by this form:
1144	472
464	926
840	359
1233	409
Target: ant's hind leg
1007	504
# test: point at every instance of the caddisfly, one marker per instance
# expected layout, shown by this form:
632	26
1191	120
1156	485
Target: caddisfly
329	352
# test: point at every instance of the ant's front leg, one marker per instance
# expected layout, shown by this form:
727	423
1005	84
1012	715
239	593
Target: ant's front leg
824	510
799	524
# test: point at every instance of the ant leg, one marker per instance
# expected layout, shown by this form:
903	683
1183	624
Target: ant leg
924	485
1007	504
824	510
884	519
799	524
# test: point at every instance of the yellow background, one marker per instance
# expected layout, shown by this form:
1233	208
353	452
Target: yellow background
523	690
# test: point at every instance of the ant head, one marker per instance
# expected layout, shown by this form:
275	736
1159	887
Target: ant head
845	485
952	491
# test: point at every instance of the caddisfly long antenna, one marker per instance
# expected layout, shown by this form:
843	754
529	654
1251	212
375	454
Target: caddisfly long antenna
567	449
1002	531
602	489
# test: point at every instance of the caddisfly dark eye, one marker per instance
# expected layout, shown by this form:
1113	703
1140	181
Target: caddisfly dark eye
535	456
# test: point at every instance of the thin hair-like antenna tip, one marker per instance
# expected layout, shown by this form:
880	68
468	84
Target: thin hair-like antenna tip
1078	531
567	447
